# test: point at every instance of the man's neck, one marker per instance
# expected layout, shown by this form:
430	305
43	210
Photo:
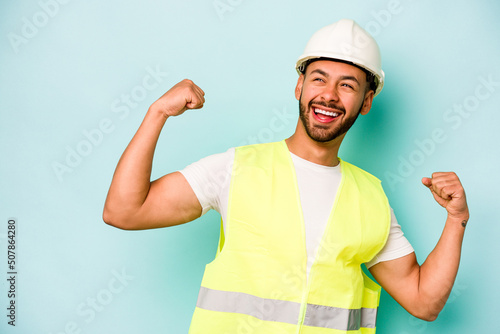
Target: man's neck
325	154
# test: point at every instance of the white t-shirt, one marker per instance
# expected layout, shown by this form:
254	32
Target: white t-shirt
210	177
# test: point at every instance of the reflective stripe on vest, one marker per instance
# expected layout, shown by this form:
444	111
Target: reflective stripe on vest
286	311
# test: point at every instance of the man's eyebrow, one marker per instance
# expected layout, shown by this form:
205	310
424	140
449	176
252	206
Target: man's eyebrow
349	77
323	73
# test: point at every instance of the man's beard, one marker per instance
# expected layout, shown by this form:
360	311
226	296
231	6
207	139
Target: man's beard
323	133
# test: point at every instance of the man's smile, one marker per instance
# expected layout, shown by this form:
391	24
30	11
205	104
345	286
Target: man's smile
325	115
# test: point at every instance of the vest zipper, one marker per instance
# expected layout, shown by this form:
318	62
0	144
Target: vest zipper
303	304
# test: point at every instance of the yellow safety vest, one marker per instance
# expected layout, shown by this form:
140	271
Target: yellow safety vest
258	283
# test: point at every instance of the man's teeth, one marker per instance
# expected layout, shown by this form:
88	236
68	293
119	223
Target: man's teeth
324	112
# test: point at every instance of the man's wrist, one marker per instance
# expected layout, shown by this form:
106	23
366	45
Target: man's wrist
157	112
461	220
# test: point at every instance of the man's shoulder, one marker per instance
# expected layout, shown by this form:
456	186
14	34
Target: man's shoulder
258	146
260	150
359	172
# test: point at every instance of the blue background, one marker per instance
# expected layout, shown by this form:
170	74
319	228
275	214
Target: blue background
68	67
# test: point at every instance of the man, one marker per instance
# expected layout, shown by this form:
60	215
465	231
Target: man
297	221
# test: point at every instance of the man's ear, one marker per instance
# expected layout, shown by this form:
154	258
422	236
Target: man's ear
298	88
367	102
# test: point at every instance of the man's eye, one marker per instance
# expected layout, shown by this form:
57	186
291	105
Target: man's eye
319	79
346	85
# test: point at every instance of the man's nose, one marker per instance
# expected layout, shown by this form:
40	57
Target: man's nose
330	93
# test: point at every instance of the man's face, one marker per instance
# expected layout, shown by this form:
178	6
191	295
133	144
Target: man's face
331	96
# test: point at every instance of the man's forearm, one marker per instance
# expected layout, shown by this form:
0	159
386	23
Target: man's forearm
131	181
438	272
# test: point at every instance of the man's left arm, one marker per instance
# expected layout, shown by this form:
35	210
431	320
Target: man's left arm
423	290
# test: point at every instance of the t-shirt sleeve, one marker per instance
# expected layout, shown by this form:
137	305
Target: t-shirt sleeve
209	177
396	246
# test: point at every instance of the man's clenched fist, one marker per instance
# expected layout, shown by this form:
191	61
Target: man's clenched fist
449	193
181	97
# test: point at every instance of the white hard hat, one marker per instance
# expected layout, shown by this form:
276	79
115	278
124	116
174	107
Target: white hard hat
345	40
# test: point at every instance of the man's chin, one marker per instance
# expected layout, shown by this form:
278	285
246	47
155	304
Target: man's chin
322	137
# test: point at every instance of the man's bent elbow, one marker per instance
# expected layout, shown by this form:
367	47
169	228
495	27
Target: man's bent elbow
427	313
427	317
115	220
109	219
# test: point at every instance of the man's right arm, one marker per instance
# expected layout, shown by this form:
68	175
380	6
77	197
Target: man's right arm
133	201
